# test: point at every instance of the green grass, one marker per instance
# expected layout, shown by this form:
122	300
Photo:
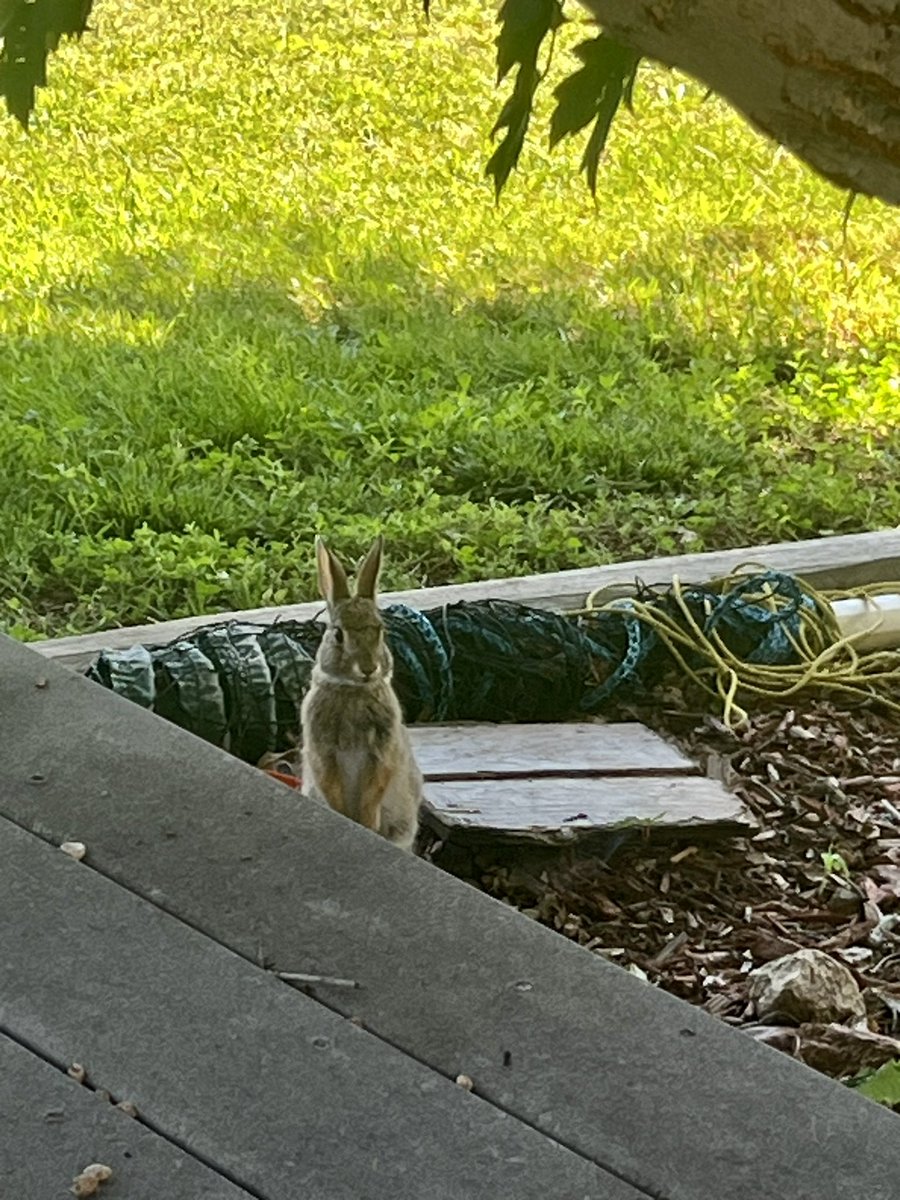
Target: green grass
254	286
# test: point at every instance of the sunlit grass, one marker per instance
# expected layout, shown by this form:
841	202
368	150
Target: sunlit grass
254	285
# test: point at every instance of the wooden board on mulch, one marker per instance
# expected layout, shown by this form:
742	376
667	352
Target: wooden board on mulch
564	782
482	750
821	871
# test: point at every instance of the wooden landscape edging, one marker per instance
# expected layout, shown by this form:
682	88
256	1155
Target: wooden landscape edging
845	561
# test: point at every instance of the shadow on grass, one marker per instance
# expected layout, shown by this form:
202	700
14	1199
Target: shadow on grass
141	347
386	294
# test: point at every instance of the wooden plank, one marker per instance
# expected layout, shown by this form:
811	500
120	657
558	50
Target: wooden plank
845	561
471	750
628	1076
563	809
53	1127
286	1097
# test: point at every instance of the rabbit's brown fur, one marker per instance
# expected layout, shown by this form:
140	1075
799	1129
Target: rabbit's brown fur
357	755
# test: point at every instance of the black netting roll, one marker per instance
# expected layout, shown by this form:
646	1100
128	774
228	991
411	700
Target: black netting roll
510	662
239	685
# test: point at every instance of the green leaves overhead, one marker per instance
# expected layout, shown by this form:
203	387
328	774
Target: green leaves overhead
523	26
29	30
592	93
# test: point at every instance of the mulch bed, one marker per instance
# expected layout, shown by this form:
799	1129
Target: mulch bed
696	917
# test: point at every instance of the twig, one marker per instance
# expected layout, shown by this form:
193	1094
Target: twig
328	980
755	781
865	780
671	947
683	854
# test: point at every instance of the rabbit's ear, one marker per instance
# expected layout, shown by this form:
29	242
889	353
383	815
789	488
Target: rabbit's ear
367	579
332	577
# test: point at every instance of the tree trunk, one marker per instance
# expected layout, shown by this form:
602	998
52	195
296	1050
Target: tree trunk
821	77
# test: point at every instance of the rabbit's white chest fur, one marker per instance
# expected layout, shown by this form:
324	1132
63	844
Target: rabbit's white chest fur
351	764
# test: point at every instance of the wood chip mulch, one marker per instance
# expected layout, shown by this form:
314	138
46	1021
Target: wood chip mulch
696	916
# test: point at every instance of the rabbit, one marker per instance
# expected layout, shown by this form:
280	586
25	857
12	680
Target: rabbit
357	755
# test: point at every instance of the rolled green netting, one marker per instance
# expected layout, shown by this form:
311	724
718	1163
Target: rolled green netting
236	685
239	685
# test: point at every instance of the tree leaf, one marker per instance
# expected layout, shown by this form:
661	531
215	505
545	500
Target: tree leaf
28	33
883	1085
594	92
515	117
628	88
523	26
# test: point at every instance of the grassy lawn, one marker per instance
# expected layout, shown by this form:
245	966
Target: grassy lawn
254	286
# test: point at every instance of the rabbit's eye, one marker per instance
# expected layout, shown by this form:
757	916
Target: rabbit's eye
339	636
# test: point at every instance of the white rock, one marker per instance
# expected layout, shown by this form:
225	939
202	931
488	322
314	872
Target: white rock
76	850
807	986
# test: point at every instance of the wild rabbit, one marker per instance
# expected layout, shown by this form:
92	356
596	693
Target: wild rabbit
357	755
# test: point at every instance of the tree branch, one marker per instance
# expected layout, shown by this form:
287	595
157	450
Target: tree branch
821	77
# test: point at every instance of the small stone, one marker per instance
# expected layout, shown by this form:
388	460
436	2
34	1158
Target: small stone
77	1072
844	901
804	986
465	1081
76	850
87	1182
128	1108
